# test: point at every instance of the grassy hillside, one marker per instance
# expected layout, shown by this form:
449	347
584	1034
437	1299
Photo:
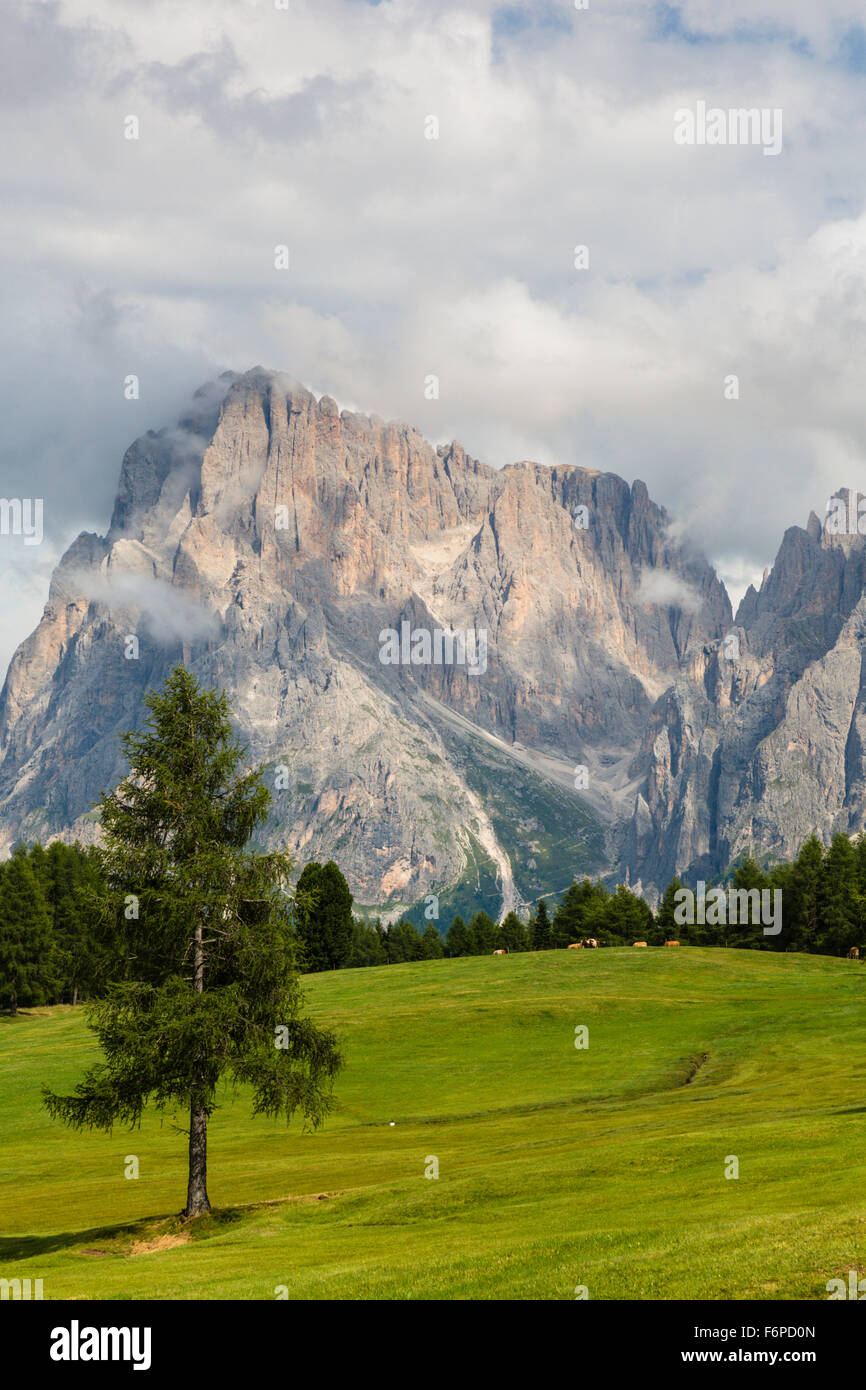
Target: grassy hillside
602	1167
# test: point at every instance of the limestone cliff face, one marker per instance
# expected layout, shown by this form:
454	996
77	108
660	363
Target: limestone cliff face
769	745
270	541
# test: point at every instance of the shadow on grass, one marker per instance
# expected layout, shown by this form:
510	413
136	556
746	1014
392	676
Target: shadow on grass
118	1240
30	1247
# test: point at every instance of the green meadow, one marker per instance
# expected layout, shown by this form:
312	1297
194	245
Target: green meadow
559	1167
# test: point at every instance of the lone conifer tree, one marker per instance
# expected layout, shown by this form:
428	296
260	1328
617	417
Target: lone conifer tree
209	983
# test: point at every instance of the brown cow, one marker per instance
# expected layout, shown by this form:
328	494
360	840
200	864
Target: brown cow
638	943
672	943
575	946
500	951
590	943
854	953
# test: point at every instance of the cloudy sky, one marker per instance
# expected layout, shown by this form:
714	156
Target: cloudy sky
307	126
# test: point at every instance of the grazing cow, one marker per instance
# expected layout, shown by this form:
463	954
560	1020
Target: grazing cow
500	951
672	943
638	943
575	946
854	953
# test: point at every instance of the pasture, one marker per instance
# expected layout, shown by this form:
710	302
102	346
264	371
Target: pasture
558	1166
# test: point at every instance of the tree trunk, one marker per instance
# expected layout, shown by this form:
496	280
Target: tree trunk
196	1195
74	995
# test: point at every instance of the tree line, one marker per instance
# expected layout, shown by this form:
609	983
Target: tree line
822	898
51	953
332	938
49	950
823	902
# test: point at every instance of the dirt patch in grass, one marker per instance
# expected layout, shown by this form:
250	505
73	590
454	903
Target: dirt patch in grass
165	1242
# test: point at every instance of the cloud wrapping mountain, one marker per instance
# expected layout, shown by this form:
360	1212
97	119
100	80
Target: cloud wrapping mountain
269	539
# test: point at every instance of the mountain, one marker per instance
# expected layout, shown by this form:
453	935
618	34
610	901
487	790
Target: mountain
759	751
305	559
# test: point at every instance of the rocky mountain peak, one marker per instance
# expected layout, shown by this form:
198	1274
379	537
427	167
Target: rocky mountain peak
286	550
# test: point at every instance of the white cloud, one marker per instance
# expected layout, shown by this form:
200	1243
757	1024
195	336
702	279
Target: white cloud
665	590
454	256
166	613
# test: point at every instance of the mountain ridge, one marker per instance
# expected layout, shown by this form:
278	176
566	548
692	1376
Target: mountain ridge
269	539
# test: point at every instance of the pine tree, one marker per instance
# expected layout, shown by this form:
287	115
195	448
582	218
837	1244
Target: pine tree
540	928
749	876
512	933
840	898
860	852
567	924
28	973
432	945
72	877
367	945
458	941
781	876
581	913
806	888
483	931
324	917
403	943
627	917
210	985
668	929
